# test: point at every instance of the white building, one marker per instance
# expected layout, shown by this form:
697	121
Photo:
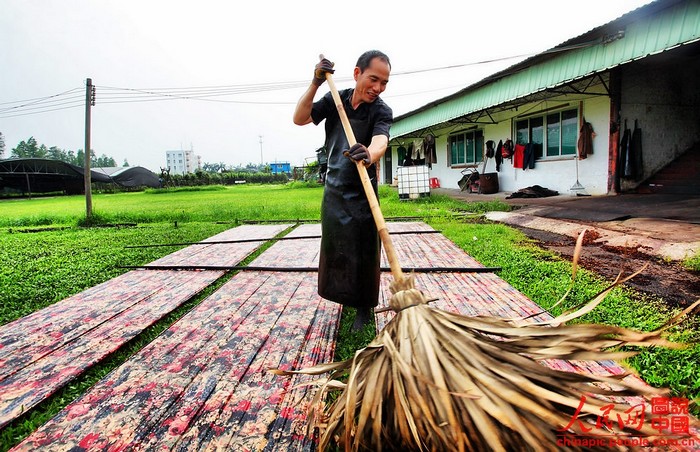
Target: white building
573	113
182	162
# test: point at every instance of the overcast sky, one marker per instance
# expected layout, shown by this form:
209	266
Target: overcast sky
144	56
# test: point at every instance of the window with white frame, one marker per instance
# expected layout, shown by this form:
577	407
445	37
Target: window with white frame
552	134
466	147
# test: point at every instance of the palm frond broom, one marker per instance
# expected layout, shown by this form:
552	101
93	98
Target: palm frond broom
438	381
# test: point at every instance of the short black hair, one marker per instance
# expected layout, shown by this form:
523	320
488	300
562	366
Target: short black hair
366	58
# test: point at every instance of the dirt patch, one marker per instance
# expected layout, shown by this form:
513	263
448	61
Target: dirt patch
672	283
32	230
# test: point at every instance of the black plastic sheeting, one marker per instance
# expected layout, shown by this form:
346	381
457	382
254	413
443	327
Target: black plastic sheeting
130	176
46	175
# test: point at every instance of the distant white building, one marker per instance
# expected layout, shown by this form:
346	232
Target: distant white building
182	162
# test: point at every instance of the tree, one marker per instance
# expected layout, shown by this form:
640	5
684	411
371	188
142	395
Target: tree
32	149
58	154
71	158
43	152
102	161
213	167
80	158
26	149
257	167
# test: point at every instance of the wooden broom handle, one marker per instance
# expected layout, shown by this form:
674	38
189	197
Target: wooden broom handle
367	185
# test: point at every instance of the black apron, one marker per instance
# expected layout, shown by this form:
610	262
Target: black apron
349	259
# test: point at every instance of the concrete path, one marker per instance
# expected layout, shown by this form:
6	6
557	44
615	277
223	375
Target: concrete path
665	226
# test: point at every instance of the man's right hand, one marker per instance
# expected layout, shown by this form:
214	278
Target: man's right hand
359	153
322	67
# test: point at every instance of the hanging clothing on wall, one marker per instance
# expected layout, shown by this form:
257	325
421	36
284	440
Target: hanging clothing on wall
430	153
490	151
585	140
499	155
433	155
508	149
418	154
519	156
408	161
529	156
402	155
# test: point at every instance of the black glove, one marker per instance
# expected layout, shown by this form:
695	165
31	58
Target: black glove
320	70
358	152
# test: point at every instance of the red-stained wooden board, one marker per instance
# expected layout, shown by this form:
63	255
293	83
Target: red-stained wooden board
44	351
203	384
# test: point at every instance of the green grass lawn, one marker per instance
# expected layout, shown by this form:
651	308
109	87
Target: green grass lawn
201	204
45	257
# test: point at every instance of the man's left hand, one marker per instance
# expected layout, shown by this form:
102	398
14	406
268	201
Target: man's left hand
358	152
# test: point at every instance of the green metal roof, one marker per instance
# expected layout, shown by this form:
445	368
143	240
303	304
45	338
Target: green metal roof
654	28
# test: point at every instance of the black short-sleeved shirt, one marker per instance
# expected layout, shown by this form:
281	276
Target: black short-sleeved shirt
350	248
367	121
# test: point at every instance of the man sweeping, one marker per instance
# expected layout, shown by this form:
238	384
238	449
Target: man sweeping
438	380
350	246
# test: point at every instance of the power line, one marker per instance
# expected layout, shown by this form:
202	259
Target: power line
116	95
211	93
53	103
207	93
496	60
39	99
120	95
169	98
45	110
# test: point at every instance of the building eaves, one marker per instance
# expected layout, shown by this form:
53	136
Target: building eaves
632	36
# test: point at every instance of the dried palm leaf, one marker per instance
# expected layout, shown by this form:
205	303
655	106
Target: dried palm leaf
436	380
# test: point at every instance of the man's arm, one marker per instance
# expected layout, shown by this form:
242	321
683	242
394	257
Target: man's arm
368	154
377	147
302	112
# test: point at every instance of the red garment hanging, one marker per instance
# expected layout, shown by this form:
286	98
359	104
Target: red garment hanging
519	156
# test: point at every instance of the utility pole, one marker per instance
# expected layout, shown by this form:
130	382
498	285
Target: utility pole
89	102
261	154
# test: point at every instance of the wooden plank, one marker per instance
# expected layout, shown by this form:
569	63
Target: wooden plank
469	294
426	250
299	253
42	352
222	254
203	383
82	330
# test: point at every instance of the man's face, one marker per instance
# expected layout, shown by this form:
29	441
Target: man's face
372	82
